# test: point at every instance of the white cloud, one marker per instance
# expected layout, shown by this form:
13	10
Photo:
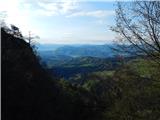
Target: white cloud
97	13
69	8
40	7
48	9
45	12
67	33
55	8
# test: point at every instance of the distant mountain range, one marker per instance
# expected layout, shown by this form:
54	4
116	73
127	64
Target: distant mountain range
102	51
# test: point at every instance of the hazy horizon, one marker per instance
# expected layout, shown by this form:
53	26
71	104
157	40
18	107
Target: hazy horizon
109	43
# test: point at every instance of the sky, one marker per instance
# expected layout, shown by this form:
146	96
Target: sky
63	21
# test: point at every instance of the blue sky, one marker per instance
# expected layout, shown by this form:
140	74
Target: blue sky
64	22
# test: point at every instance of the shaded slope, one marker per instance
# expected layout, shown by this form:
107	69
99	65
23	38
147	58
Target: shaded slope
28	93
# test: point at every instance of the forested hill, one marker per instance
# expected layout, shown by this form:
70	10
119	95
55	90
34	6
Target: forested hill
26	88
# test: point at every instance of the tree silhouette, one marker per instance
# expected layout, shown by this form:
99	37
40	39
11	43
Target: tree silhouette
15	31
138	28
31	37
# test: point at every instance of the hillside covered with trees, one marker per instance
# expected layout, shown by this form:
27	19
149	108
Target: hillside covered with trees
96	88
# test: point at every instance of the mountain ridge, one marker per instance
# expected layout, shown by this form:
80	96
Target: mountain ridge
102	51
